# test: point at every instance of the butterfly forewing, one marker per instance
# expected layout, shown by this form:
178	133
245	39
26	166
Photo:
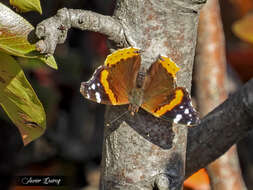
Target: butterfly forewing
93	88
111	83
163	99
159	82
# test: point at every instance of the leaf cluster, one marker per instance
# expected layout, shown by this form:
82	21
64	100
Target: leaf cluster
17	46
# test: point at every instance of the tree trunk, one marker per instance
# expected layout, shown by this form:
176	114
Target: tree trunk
136	152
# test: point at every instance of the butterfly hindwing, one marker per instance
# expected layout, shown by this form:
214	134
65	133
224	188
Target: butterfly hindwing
179	108
110	83
163	99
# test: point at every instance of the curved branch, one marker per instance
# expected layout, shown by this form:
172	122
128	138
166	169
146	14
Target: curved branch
54	30
220	129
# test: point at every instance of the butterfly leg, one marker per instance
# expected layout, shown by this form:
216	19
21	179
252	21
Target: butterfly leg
133	108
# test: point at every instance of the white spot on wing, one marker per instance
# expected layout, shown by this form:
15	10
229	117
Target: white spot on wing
181	107
98	84
98	98
178	118
93	86
88	95
186	111
189	122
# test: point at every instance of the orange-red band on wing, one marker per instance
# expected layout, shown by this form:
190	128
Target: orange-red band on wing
104	82
169	65
179	94
116	56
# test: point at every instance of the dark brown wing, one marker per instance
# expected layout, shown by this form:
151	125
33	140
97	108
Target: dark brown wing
112	82
163	99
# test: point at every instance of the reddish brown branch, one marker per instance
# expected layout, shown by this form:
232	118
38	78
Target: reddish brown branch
211	90
210	59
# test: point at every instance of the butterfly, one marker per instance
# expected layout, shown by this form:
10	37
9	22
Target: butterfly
120	81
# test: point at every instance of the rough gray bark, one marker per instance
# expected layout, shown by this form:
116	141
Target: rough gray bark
140	152
137	153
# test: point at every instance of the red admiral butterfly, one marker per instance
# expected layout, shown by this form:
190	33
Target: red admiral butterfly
119	81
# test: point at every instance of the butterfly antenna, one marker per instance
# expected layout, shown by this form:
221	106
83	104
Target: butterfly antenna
115	119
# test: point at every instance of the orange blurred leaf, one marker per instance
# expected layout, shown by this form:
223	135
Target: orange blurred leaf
198	181
243	28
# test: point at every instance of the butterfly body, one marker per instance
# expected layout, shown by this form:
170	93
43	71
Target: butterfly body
121	80
136	94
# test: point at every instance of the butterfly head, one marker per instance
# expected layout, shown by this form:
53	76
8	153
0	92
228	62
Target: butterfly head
133	108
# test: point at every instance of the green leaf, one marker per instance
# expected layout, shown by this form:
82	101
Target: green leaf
17	37
27	5
19	100
50	61
33	63
29	63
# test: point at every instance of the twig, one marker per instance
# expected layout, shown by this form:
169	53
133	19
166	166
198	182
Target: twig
54	30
